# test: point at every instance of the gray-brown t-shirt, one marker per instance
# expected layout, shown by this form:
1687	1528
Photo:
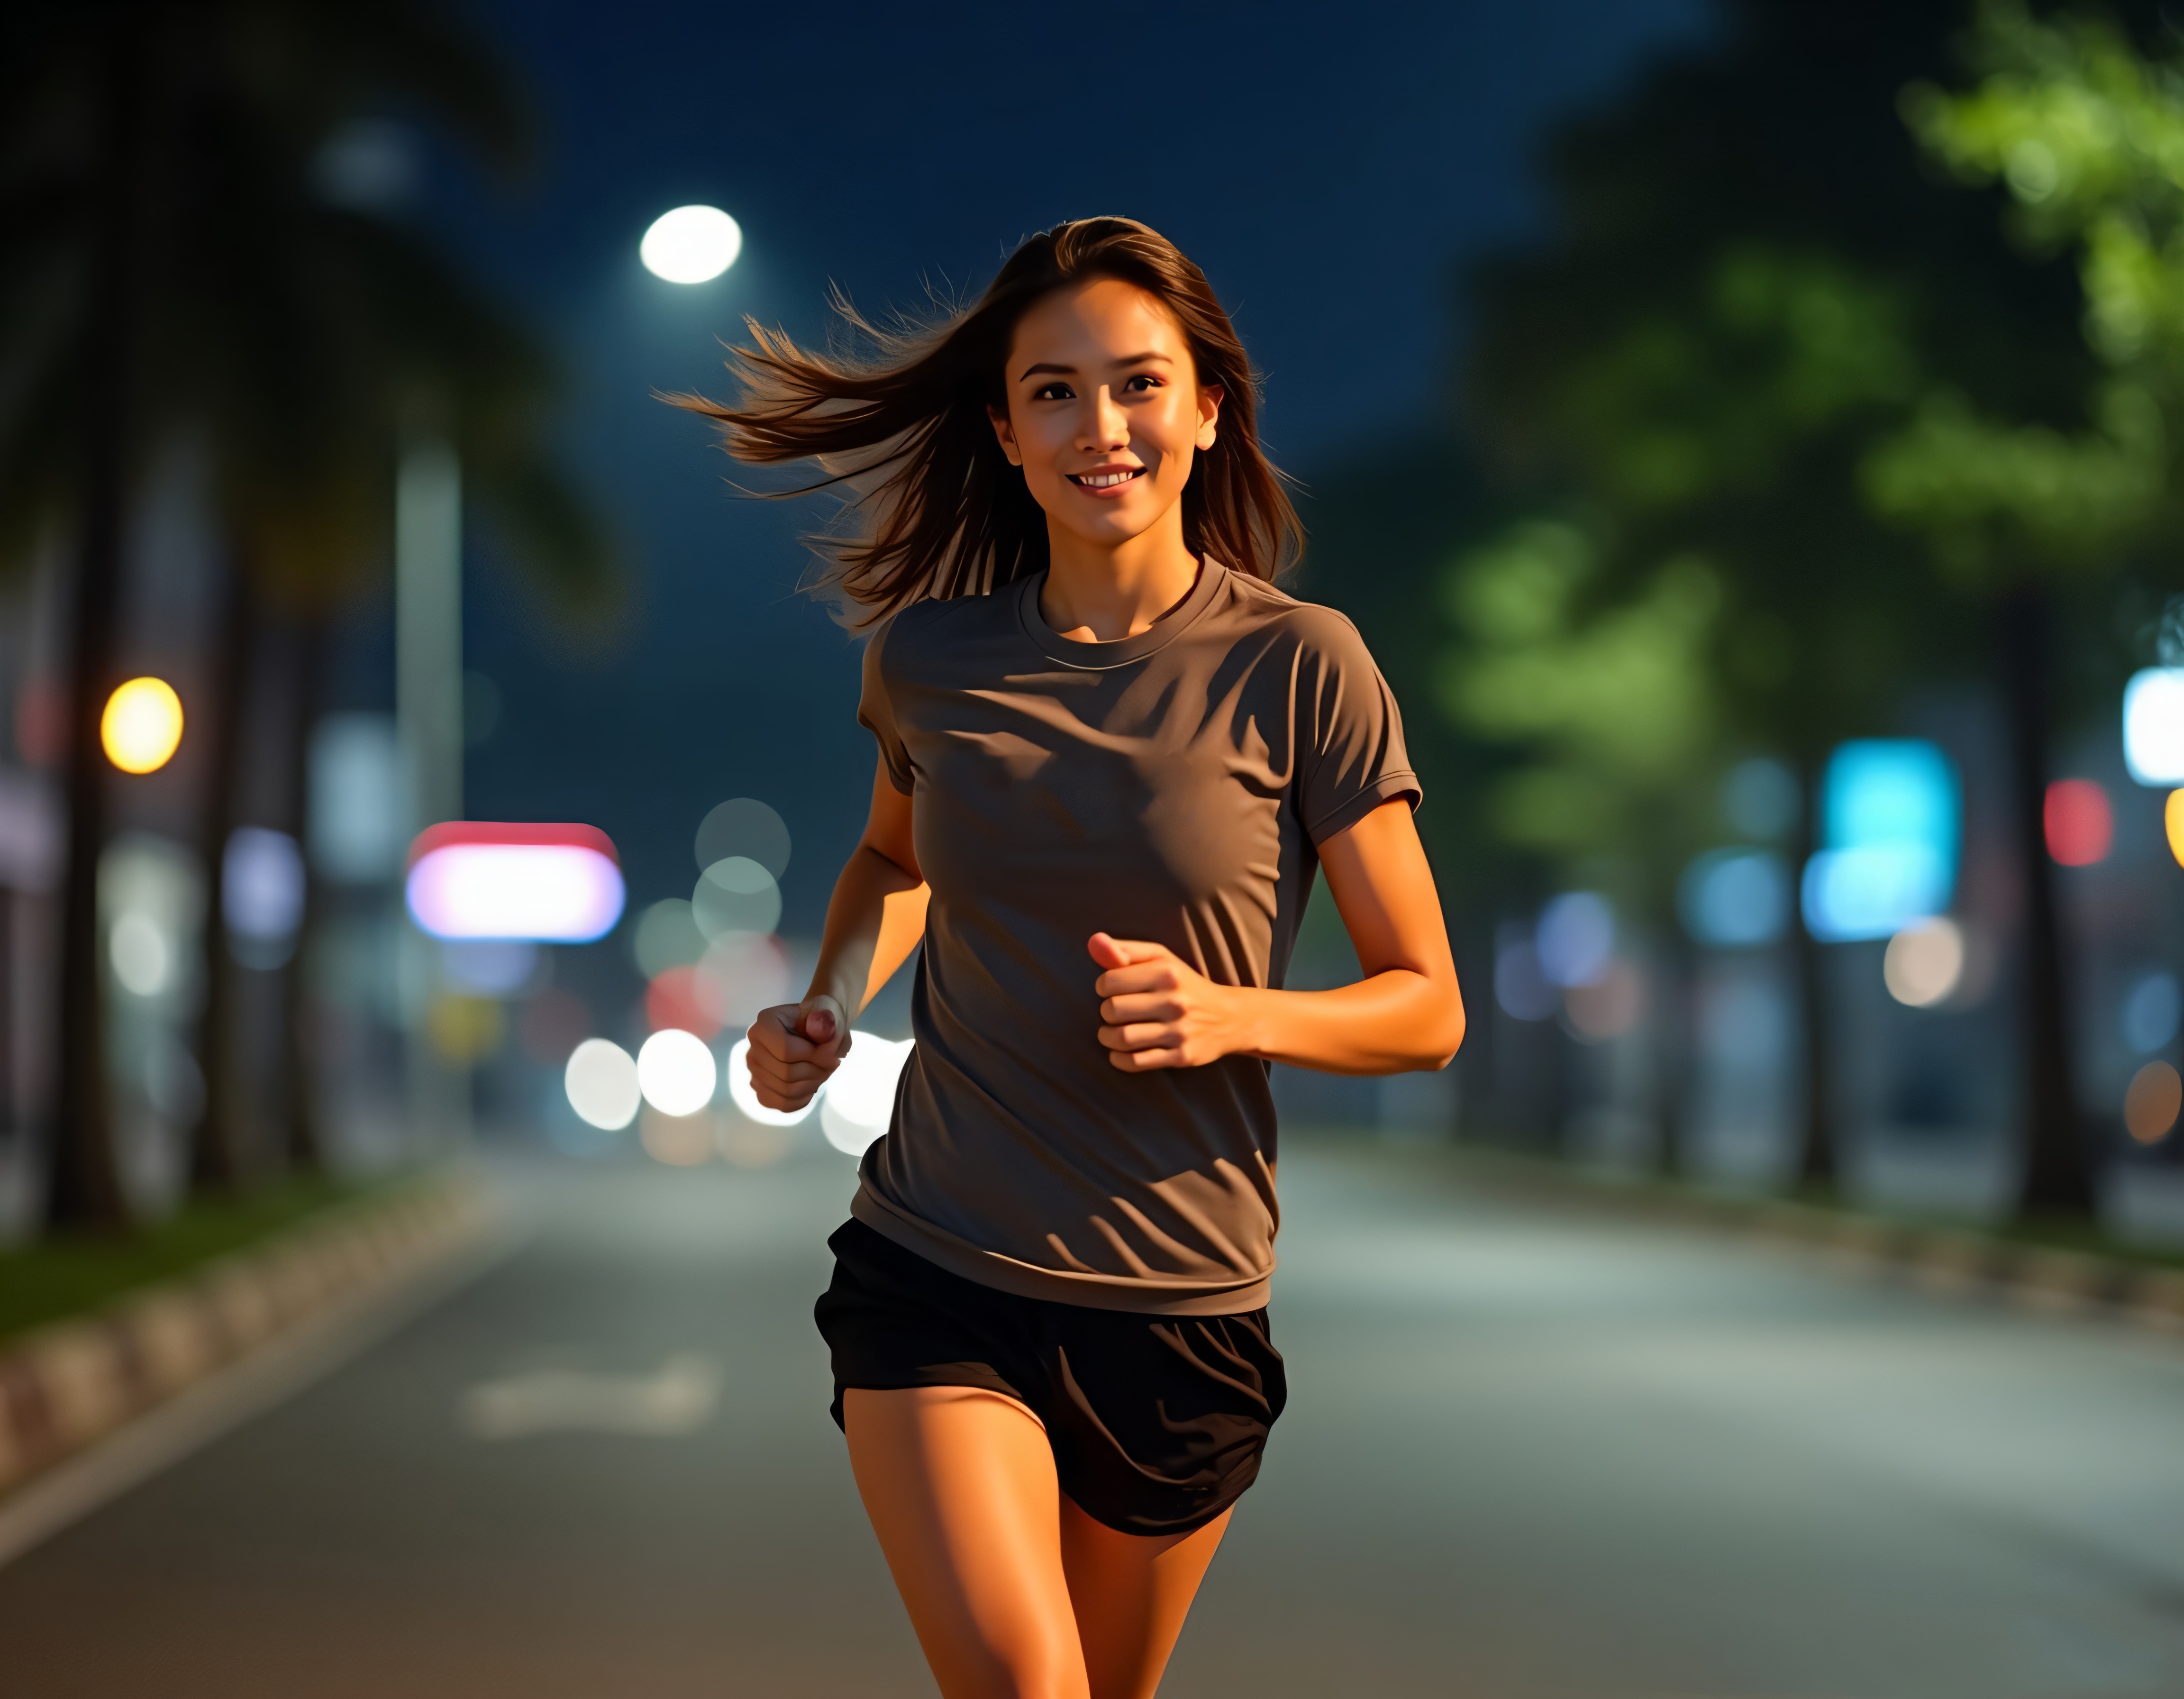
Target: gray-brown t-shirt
1171	787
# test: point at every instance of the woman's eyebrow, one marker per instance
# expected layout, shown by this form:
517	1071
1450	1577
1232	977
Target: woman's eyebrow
1043	368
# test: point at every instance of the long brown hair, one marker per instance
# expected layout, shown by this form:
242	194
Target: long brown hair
904	429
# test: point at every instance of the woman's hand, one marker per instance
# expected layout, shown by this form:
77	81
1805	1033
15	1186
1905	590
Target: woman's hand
794	1047
1156	1011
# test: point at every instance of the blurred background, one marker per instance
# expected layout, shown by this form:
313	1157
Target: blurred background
1745	432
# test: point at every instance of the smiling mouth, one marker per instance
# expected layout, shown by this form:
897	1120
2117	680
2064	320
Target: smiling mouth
1105	481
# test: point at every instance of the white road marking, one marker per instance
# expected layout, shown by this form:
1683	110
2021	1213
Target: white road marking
678	1400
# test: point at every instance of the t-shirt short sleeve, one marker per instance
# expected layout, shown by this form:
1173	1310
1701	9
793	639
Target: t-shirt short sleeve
876	712
1351	757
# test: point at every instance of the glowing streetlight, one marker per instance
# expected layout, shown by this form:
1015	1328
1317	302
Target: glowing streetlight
141	726
691	245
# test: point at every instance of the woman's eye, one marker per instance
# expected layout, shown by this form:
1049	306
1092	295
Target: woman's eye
1142	382
1054	392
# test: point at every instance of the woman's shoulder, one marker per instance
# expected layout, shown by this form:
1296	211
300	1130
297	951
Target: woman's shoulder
1314	626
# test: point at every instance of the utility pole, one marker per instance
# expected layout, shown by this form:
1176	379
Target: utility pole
428	697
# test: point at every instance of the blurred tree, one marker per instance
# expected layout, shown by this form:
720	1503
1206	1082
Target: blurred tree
186	265
1762	329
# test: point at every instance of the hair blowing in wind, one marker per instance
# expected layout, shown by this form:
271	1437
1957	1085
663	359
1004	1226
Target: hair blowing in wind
939	511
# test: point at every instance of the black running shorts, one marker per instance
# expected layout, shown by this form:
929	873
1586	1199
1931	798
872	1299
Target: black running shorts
1156	1422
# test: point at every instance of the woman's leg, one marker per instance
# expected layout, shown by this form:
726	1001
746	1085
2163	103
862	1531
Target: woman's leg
959	1486
1131	1592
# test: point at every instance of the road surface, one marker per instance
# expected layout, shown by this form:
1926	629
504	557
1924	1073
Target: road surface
1531	1453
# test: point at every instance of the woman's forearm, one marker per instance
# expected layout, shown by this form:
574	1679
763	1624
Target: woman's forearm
874	919
1393	1023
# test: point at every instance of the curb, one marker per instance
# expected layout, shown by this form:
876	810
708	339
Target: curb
1946	1261
69	1382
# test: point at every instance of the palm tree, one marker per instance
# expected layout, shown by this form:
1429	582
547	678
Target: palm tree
165	160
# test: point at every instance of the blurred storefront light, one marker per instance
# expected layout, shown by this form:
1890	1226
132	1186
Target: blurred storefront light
553	884
692	244
601	1082
2080	825
2154	725
1924	963
1891	812
1575	939
1736	898
676	1072
2153	1102
141	726
859	1101
2172	821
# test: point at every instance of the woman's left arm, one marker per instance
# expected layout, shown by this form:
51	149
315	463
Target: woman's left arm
1405	1013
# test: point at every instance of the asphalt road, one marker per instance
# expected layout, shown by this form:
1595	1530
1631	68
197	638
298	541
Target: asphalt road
1528	1453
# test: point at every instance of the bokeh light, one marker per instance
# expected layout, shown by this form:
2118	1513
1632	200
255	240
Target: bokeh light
1924	963
1519	987
741	974
675	999
680	1141
1733	898
744	825
489	966
859	1101
692	244
2151	1105
142	727
262	884
666	936
1891	811
1576	938
735	894
676	1072
1608	1007
142	960
2079	824
2152	1011
2172	821
601	1082
554	893
1760	798
2154	725
736	1072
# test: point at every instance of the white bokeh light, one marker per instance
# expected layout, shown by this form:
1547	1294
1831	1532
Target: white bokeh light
1924	963
138	949
674	1071
859	1101
737	1071
691	245
601	1081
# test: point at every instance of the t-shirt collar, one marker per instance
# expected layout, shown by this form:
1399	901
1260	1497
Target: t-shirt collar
1099	656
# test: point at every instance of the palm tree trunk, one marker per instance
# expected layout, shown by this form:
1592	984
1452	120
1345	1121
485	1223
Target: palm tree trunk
221	1155
1819	1168
86	1182
2059	1177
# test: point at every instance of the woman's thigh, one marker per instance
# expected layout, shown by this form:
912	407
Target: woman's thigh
1131	1593
960	1485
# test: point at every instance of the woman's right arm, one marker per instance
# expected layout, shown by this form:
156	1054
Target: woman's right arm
874	920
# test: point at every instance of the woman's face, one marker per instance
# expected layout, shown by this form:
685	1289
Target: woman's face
1105	409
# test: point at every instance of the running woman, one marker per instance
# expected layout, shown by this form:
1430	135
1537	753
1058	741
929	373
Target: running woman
1112	756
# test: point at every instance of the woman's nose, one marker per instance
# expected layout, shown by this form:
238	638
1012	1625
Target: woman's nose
1104	425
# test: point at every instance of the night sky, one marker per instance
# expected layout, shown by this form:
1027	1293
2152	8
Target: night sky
1332	168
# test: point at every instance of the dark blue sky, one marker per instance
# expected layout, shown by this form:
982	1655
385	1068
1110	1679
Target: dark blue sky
1332	168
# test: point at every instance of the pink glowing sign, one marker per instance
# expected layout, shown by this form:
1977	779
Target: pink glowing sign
552	883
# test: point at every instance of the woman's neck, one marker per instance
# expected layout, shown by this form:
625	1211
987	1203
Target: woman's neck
1095	594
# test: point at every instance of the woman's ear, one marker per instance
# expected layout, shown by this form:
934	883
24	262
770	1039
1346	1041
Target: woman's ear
1210	398
1007	435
